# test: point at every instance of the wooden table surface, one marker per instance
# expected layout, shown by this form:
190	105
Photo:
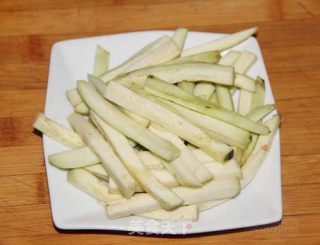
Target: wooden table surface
289	35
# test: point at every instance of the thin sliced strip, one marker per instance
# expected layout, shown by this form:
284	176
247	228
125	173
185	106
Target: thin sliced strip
249	150
184	176
245	100
195	166
56	131
101	61
160	51
150	161
77	102
191	72
223	43
165	177
224	96
167	199
187	86
259	95
204	90
141	120
184	213
178	96
219	130
91	185
76	158
74	97
230	169
98	171
167	119
230	58
82	108
126	125
214	190
103	150
211	57
260	112
211	204
179	37
245	82
114	189
245	61
259	154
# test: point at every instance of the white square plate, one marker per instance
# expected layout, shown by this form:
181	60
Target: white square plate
259	203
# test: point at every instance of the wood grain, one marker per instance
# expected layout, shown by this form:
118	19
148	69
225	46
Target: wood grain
289	36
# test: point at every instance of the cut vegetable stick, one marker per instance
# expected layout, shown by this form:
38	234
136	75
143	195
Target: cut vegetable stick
204	90
180	214
259	154
126	125
167	119
160	173
214	190
90	184
101	61
202	156
201	173
74	97
77	102
214	98
98	171
113	188
245	82
167	199
219	130
211	57
180	36
245	61
230	58
245	100
183	175
156	165
76	158
56	131
187	86
249	150
223	43
139	119
258	96
165	177
191	72
178	96
230	169
82	108
260	112
207	205
238	154
224	97
102	149
157	52
150	161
